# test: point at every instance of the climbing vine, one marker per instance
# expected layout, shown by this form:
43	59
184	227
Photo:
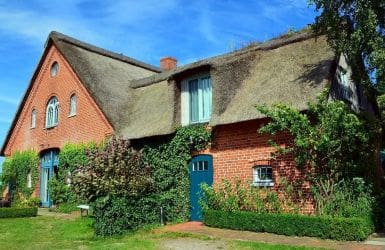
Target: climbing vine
71	156
170	172
17	169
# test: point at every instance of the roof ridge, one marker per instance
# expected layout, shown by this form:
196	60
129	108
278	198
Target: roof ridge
271	44
59	37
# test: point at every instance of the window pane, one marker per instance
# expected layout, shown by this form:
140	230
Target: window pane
200	164
73	105
33	119
206	165
194	100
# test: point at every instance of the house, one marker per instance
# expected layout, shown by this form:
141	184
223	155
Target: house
81	93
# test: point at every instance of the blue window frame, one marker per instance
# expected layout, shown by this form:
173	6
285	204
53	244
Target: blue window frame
52	113
196	100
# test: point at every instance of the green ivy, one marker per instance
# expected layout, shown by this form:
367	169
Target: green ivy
15	172
170	168
71	156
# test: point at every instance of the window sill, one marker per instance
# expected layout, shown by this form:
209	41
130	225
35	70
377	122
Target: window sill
51	127
262	184
71	115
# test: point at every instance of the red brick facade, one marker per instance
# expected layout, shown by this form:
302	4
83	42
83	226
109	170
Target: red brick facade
89	123
238	147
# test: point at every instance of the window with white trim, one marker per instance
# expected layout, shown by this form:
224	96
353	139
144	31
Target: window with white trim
33	118
263	176
73	104
196	100
52	113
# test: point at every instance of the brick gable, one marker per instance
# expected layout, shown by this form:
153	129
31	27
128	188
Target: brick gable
89	123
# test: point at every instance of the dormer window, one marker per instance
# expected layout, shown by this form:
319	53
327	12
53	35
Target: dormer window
52	113
196	100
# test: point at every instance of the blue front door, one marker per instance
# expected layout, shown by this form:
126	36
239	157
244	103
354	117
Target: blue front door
201	171
49	162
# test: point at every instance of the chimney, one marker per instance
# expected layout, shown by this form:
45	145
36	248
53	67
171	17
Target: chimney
168	63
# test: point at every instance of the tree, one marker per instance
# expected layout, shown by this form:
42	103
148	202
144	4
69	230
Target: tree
356	29
329	141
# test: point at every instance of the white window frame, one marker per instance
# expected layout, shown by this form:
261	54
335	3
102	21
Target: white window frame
185	100
256	176
52	113
73	104
33	118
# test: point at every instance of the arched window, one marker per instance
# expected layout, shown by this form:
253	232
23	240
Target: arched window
52	113
73	102
33	118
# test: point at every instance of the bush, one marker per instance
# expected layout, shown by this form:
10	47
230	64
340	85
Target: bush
242	196
16	170
18	212
347	198
116	169
65	208
324	227
115	215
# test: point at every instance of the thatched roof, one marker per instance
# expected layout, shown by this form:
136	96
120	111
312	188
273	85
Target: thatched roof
105	74
291	70
140	100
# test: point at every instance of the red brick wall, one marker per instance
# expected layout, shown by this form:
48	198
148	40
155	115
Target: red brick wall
89	123
237	148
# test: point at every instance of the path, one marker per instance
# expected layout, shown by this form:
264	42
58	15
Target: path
375	242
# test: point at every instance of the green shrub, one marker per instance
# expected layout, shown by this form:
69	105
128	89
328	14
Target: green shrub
18	212
65	208
347	198
242	196
115	215
325	227
15	172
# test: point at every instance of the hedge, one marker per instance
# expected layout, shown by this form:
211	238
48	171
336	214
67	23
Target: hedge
11	212
292	224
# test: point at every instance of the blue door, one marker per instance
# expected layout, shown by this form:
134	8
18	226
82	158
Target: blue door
201	171
49	162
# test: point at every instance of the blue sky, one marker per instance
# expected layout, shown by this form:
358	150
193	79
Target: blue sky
146	30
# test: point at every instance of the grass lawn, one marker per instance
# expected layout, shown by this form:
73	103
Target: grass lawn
48	232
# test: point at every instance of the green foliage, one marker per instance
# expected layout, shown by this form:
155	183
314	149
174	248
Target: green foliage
18	212
344	199
356	28
116	169
71	156
65	208
330	141
127	188
16	170
291	224
116	215
169	158
241	196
